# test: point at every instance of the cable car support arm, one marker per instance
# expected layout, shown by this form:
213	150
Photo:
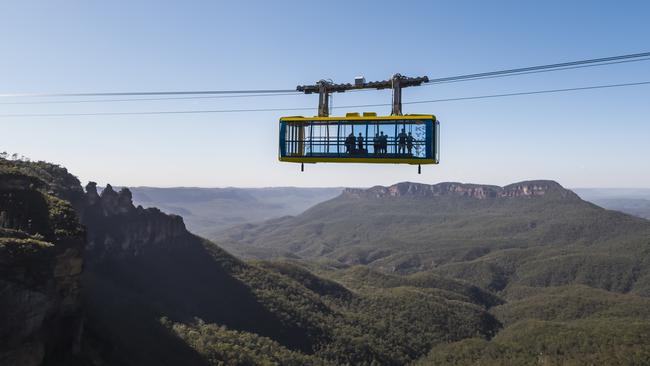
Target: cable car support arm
396	82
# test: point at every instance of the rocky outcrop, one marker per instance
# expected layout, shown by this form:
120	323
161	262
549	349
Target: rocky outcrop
408	189
117	228
41	260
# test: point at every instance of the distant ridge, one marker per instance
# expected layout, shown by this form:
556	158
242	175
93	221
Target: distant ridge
479	191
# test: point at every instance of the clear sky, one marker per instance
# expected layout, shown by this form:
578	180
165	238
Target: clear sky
598	138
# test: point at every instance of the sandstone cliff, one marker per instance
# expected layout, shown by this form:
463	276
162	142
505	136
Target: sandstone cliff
118	229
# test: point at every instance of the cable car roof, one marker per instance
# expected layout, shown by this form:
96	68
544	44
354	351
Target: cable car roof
366	116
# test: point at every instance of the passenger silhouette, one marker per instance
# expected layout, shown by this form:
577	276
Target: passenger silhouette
383	143
360	143
409	143
376	144
349	143
401	139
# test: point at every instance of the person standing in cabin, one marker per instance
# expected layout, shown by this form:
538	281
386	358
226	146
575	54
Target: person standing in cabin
360	143
349	143
409	143
376	144
401	140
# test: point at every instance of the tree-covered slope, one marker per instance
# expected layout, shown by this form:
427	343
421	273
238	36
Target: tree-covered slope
567	325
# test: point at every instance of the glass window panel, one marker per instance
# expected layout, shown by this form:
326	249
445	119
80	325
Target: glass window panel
367	139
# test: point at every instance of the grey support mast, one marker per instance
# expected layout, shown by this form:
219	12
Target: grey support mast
323	98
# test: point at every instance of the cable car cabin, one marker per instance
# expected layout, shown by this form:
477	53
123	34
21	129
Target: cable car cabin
367	138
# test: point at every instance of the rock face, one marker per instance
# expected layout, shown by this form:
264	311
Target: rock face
41	259
118	229
408	189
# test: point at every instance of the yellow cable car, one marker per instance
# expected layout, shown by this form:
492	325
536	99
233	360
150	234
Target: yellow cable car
368	138
355	138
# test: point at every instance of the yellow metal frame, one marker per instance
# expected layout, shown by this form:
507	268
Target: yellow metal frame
359	117
358	160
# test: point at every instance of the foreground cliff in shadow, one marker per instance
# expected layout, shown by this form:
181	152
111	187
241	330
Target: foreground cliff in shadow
41	258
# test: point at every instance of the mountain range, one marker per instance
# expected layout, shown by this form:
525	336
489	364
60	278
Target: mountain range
534	233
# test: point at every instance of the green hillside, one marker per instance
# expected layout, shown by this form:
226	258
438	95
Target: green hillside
568	325
266	313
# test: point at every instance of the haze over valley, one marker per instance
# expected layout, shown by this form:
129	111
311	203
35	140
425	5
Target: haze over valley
209	211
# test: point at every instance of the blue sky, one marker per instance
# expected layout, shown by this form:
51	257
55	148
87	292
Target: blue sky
596	138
